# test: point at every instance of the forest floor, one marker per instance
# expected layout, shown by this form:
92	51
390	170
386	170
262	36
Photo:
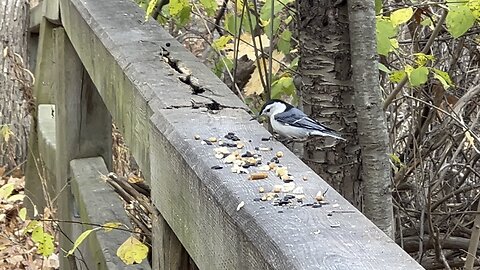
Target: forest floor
17	248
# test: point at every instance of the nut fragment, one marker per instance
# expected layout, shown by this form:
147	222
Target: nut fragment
286	178
277	188
197	137
279	154
319	197
212	139
219	155
305	178
230	158
258	175
281	171
261	190
264	168
240	145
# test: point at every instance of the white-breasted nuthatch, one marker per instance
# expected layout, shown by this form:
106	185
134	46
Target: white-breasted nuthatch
292	123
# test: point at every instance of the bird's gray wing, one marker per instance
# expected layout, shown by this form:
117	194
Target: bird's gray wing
295	117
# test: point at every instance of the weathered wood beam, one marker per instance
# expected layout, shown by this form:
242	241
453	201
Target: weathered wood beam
98	203
136	67
83	127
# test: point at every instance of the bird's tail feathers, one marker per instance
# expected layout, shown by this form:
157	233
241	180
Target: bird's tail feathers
327	134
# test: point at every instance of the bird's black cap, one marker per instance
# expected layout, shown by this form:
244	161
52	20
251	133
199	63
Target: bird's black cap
289	106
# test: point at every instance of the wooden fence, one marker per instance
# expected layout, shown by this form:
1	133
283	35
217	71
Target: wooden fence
98	60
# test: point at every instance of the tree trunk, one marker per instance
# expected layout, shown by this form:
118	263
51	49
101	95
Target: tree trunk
15	83
327	93
372	129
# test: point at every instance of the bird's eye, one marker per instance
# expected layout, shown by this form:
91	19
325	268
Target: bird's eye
268	110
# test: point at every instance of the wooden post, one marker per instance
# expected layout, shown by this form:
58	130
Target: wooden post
83	126
168	253
43	91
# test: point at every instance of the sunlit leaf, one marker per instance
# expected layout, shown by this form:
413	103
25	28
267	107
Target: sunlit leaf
385	30
132	251
383	68
79	241
37	234
46	246
150	8
397	75
459	20
283	44
210	6
6	190
266	11
5	132
283	86
378	6
443	77
16	197
421	58
22	214
111	225
220	43
474	6
401	16
230	24
418	76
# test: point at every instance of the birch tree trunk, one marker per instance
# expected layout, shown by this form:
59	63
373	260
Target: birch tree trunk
372	128
15	83
327	93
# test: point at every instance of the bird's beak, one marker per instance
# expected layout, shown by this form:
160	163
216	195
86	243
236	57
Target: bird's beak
255	117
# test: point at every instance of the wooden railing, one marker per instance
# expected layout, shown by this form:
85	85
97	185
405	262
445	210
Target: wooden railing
98	60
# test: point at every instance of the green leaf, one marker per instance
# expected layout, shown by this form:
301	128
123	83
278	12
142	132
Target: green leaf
383	68
459	20
176	6
230	24
283	44
220	43
443	77
418	76
181	10
37	234
378	6
266	11
6	190
210	6
249	23
267	28
22	214
401	16
283	86
46	246
397	75
421	59
385	30
16	197
474	6
132	251
79	241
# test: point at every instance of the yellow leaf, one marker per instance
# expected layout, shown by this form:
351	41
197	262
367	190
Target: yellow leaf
132	251
111	225
5	132
46	246
37	234
32	225
16	197
254	85
245	47
401	16
220	43
79	241
6	190
150	7
22	214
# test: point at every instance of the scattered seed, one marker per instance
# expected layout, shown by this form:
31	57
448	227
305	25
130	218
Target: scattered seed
277	188
280	211
264	149
281	171
257	199
261	189
286	178
240	145
222	150
217	167
247	154
258	176
219	156
197	137
307	204
279	154
288	187
230	158
264	168
329	214
298	191
319	197
240	205
212	139
335	226
264	139
305	178
264	198
204	142
221	143
272	166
